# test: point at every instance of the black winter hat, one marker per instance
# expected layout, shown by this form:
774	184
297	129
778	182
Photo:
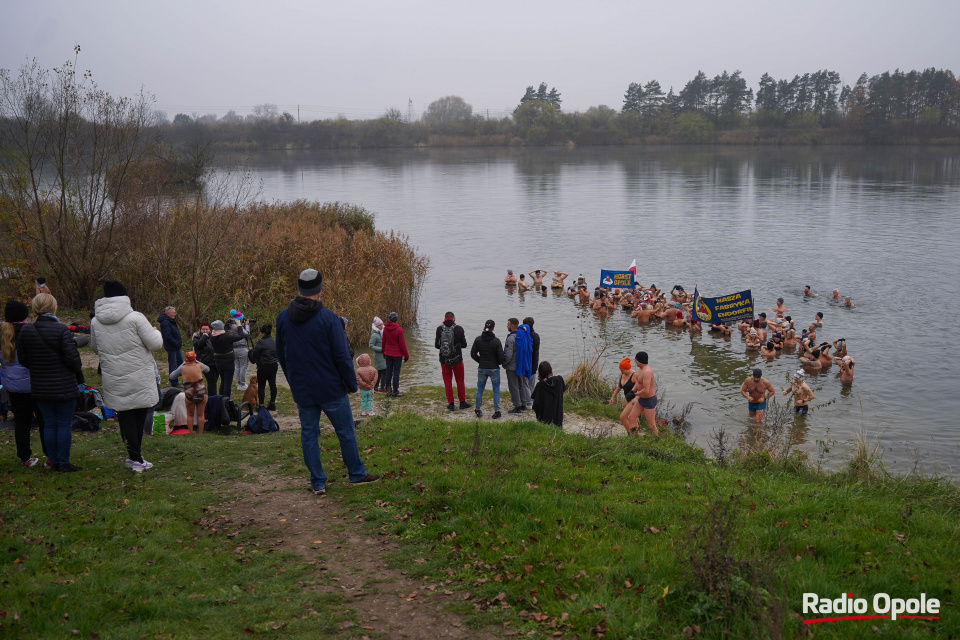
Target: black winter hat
15	311
113	289
310	282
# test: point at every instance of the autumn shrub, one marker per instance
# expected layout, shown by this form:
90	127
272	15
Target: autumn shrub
206	259
365	272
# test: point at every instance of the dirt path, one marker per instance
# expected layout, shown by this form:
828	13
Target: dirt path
348	562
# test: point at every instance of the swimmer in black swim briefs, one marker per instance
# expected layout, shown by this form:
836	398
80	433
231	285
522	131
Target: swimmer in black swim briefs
648	403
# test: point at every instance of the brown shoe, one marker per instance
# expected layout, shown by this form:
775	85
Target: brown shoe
367	479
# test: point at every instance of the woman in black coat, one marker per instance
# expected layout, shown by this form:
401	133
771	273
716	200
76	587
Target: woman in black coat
204	350
222	342
48	350
548	396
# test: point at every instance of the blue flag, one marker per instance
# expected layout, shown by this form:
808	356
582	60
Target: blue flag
616	279
731	308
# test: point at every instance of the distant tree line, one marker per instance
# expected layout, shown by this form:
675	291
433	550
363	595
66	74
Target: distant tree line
814	108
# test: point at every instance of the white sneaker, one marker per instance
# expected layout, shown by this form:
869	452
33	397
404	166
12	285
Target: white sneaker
140	467
128	462
32	462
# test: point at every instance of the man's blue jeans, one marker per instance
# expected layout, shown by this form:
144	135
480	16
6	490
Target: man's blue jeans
174	360
341	416
494	376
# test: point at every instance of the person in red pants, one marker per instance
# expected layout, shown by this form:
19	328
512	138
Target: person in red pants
450	342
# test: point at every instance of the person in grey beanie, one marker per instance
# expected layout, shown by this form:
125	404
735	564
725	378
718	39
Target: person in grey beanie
313	353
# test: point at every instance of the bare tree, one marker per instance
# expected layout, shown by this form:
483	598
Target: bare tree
68	155
266	111
392	113
192	232
231	117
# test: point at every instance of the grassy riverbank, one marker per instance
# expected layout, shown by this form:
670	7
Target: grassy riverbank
537	529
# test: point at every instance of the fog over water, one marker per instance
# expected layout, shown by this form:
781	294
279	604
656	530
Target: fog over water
881	225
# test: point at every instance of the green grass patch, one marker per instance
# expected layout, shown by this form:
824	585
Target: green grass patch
547	531
111	554
560	532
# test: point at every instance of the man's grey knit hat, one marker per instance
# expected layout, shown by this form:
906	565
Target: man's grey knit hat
310	282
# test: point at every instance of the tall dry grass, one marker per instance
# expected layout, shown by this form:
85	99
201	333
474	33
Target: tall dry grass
207	258
365	272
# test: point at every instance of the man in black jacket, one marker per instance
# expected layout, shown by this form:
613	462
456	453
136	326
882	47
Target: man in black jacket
264	355
487	351
172	342
451	341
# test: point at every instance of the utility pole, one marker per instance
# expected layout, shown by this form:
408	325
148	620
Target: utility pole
298	114
409	110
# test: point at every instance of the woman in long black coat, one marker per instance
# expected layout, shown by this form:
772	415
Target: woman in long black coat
548	396
48	350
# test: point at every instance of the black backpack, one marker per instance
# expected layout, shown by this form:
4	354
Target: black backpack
86	421
232	410
449	352
221	412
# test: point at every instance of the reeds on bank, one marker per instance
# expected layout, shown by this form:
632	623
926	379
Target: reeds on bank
365	272
205	258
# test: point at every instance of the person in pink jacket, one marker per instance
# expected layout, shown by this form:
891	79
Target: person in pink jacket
366	380
395	351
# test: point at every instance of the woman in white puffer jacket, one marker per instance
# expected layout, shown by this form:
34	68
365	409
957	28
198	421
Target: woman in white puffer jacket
124	339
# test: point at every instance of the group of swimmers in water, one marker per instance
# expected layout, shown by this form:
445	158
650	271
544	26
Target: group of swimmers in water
770	337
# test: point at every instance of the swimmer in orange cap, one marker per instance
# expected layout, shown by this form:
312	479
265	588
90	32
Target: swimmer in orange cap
625	383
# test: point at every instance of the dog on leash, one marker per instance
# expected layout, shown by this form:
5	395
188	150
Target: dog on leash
250	395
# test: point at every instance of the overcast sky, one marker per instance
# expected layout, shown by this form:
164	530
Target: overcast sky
359	57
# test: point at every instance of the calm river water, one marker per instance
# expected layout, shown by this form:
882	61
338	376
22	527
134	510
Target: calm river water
882	225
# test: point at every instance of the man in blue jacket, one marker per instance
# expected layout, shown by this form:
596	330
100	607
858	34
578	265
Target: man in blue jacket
312	350
172	342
